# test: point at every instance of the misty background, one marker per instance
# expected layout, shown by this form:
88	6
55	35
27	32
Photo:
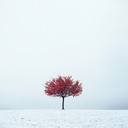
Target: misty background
41	39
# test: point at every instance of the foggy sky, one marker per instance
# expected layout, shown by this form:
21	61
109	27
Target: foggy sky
41	39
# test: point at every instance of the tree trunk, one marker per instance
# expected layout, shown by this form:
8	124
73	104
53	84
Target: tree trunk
62	103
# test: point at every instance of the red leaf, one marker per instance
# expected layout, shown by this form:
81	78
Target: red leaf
63	87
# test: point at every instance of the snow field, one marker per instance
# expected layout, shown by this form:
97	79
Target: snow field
63	118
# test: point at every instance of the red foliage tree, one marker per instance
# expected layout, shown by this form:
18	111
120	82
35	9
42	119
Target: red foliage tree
63	87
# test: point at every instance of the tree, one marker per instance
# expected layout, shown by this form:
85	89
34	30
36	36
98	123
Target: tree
63	87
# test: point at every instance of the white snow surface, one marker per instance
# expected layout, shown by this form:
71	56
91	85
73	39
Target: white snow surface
63	118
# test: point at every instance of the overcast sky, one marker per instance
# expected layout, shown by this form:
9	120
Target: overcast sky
41	39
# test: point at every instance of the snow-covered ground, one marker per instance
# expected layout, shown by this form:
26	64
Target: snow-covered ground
63	118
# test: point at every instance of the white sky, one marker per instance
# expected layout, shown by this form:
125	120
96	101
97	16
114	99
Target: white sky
41	39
